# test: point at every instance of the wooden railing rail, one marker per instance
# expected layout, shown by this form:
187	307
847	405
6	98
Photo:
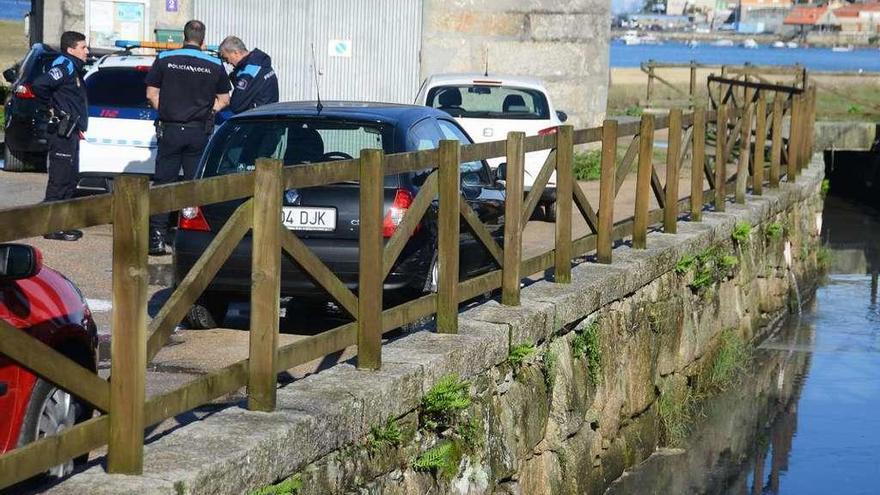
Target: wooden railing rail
700	143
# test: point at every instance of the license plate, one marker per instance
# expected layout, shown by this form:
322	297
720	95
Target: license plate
305	218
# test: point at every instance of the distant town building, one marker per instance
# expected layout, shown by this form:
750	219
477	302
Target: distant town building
858	18
811	18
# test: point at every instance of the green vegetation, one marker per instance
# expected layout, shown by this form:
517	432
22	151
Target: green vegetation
824	188
443	409
685	264
729	361
519	353
585	344
588	165
387	435
741	232
774	231
442	403
443	458
633	111
548	368
824	257
676	407
709	267
290	486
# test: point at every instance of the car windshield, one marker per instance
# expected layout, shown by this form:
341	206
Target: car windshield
118	87
489	102
238	143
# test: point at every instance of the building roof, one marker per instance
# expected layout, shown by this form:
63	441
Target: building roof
806	16
853	10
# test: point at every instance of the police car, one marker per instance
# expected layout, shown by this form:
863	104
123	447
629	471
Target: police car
121	136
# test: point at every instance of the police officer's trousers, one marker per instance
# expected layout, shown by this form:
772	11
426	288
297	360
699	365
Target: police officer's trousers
62	166
180	148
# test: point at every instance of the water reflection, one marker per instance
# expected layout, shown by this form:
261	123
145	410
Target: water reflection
805	419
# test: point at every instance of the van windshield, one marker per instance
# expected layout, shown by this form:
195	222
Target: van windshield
489	102
239	143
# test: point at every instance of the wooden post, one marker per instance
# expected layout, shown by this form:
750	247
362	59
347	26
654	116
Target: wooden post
760	142
745	148
448	236
513	225
720	146
369	321
794	138
564	185
810	130
643	182
265	286
673	162
607	183
128	347
776	140
698	162
650	89
692	89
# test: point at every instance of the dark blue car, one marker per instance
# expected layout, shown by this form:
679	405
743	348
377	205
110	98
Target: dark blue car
326	218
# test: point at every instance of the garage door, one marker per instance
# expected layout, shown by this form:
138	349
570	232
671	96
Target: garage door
364	49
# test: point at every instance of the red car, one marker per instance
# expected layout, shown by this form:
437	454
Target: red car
49	307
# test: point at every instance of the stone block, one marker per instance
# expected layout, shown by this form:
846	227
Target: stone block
571	301
569	27
528	323
470	22
546	59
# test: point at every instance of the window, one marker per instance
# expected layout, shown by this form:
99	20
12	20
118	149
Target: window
472	173
118	87
489	102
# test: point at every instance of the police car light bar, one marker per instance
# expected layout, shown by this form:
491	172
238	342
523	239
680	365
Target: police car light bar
156	45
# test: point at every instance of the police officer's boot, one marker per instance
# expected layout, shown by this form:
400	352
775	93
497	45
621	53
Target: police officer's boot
157	243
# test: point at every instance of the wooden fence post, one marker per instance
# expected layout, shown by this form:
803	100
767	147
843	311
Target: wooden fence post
513	225
448	236
128	347
265	285
720	146
643	182
692	88
810	130
564	192
745	148
673	163
607	183
369	321
794	138
649	93
776	140
760	142
698	163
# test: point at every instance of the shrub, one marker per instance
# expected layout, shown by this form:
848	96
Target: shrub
588	165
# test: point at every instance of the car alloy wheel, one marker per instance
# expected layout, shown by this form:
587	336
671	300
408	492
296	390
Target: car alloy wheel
57	413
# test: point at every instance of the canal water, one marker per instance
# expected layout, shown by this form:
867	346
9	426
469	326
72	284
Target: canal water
806	418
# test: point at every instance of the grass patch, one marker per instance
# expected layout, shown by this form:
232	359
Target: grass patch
634	111
290	486
729	361
709	268
588	165
676	407
519	353
742	231
444	401
387	435
774	231
824	257
585	344
548	368
443	458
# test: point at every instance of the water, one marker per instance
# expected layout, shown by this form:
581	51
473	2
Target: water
14	9
806	417
819	59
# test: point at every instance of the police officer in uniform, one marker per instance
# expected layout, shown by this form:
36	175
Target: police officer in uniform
187	86
254	82
62	88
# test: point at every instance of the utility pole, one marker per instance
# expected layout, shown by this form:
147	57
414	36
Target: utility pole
35	22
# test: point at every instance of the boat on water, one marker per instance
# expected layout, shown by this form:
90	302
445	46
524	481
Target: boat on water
778	44
692	43
791	44
842	48
750	43
723	42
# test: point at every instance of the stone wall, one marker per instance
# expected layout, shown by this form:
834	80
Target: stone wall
563	42
560	394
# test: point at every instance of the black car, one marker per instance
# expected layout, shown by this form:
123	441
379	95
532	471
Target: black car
26	116
326	218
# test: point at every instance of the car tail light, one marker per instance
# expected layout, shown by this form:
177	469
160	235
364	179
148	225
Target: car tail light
191	218
142	68
402	201
24	91
548	131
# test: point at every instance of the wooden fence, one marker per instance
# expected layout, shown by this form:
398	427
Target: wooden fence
125	411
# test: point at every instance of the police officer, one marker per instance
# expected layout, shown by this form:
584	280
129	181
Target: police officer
188	87
253	79
62	88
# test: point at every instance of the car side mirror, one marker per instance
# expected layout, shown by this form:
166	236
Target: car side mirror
501	171
18	261
562	116
10	74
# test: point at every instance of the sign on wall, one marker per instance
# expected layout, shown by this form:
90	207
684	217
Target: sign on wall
339	48
111	20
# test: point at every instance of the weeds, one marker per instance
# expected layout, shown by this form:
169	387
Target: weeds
676	407
774	231
445	399
685	264
387	435
585	344
588	165
741	232
729	361
519	353
633	111
290	486
710	267
443	458
548	368
824	257
824	188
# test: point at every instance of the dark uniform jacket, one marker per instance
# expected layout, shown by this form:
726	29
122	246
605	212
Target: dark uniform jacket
254	82
62	88
189	80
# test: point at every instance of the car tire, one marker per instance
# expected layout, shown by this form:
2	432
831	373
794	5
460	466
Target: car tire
51	410
550	212
207	313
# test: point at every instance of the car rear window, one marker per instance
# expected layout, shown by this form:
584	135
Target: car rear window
489	102
238	143
118	87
